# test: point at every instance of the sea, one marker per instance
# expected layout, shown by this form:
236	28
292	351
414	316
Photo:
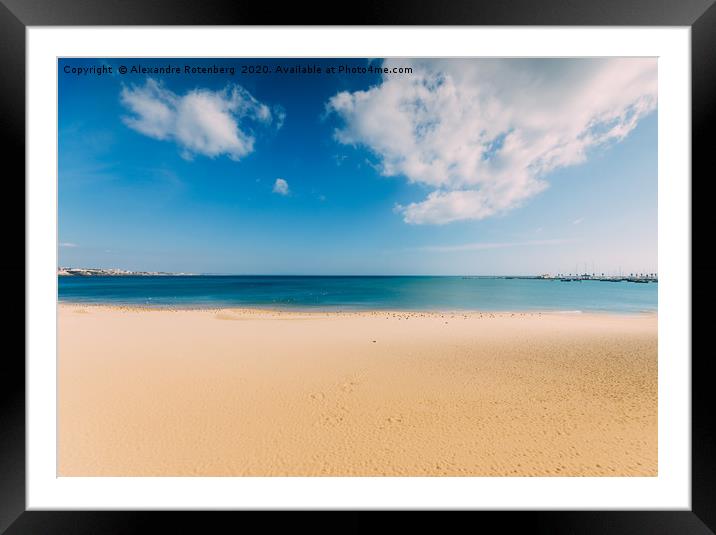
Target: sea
416	293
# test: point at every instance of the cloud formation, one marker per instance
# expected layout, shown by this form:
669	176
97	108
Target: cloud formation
484	134
281	187
205	122
68	244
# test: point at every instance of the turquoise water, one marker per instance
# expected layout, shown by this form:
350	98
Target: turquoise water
362	293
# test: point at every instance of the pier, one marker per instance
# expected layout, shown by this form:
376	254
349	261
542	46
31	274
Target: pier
642	278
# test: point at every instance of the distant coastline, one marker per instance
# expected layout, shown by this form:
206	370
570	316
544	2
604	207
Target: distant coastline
117	272
111	272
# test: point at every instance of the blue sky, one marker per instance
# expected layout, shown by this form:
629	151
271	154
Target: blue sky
460	167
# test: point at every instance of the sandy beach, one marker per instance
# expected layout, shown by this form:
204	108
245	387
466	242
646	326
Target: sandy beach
159	392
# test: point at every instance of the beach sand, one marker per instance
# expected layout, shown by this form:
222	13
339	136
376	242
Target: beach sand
149	392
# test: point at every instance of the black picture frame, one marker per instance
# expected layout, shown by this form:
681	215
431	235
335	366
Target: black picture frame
16	15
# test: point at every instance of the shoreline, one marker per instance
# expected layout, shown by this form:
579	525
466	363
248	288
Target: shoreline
345	311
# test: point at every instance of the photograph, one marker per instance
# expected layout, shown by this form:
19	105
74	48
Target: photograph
357	267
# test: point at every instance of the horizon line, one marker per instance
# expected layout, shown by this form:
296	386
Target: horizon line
228	274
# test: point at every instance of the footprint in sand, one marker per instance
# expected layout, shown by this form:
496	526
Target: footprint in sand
318	396
334	417
331	420
349	386
391	422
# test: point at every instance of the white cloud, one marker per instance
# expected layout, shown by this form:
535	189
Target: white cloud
68	244
210	123
578	221
481	246
484	134
281	187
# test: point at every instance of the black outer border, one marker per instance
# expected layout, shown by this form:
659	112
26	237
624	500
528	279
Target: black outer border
15	15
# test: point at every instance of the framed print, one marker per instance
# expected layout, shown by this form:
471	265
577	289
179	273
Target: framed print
432	258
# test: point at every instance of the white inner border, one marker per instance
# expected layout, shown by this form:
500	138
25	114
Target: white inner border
670	490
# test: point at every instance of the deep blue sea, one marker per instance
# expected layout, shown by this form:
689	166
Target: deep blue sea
362	293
